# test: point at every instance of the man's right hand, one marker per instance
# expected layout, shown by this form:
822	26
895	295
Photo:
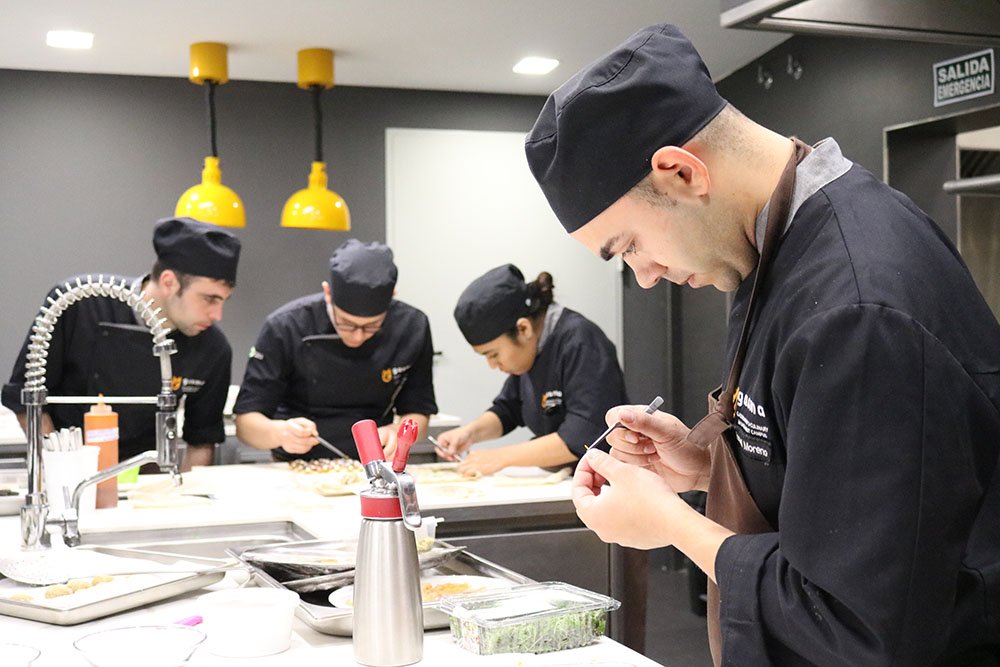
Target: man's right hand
451	444
656	441
296	435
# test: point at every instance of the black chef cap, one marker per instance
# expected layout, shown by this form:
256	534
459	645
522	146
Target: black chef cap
597	133
198	248
492	304
362	277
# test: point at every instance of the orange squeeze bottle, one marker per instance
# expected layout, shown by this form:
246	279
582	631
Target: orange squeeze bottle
100	427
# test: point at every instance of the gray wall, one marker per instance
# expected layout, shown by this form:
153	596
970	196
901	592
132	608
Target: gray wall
89	162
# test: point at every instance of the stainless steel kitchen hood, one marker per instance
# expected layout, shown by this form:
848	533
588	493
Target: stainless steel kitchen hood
949	21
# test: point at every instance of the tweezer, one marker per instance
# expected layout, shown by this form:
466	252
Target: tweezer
650	409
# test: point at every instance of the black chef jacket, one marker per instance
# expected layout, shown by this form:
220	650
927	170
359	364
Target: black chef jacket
574	381
98	347
867	429
300	368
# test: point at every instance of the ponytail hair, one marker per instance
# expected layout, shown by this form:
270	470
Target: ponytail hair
540	294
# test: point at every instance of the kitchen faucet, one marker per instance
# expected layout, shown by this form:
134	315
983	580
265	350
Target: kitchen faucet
34	513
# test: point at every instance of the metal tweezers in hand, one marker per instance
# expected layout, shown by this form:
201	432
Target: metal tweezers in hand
650	409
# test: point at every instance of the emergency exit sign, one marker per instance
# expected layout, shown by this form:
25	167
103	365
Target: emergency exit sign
964	78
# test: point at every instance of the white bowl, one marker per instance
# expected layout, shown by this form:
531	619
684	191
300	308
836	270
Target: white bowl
149	645
248	622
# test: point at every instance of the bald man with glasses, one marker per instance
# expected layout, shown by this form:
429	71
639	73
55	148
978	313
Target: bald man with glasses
327	360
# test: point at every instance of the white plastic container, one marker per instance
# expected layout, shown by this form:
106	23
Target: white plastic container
66	470
248	622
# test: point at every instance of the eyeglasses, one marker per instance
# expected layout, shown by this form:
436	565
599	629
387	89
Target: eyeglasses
349	327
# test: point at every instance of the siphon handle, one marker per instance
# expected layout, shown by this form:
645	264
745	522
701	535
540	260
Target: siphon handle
405	438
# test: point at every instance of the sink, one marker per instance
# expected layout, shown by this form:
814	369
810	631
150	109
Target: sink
200	541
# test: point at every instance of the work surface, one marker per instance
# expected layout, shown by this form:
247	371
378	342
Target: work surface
256	493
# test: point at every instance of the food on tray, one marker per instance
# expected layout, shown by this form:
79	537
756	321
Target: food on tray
438	473
330	477
58	591
21	597
79	584
326	465
74	585
432	592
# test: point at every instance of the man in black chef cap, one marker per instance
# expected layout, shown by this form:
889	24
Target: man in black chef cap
850	456
99	347
327	360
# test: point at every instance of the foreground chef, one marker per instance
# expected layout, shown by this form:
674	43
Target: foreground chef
98	346
324	361
850	458
564	375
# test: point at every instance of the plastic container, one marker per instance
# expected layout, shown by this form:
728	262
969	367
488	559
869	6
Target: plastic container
146	645
100	427
248	622
64	470
426	533
533	618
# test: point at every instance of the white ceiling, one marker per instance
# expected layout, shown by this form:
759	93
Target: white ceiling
464	45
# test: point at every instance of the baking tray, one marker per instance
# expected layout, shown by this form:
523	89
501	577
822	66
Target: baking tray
316	611
151	588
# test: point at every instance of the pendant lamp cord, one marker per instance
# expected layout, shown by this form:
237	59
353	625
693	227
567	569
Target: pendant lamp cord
317	120
210	98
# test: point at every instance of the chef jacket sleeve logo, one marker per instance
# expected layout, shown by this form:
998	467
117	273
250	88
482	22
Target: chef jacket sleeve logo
255	354
396	373
551	401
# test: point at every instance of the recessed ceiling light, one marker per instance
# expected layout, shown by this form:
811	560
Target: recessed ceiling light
69	39
535	65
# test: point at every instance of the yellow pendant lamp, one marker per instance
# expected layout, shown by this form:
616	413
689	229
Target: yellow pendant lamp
316	207
211	201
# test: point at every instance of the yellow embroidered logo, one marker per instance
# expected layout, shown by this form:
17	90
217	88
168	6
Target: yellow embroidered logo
175	382
387	375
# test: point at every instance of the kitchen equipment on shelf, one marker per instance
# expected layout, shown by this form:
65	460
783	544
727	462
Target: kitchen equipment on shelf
388	611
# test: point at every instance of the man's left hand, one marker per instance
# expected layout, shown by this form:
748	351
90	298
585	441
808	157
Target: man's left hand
483	462
634	510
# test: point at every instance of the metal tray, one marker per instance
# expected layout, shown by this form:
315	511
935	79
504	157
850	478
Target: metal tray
88	611
315	610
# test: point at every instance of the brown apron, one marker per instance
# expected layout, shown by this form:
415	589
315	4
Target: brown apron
729	502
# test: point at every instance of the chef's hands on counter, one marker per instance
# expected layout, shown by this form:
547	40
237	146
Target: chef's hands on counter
545	451
649	461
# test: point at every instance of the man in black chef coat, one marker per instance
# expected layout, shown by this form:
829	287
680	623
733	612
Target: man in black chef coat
327	360
851	462
99	347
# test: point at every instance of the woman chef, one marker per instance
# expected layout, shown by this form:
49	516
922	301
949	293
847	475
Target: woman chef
564	375
325	361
